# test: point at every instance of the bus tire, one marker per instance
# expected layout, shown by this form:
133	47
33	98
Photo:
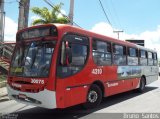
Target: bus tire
94	97
142	85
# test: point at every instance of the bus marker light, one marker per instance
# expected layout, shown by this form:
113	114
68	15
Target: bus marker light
68	88
22	96
16	85
85	86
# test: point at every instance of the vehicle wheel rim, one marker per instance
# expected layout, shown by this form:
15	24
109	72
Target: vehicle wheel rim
92	96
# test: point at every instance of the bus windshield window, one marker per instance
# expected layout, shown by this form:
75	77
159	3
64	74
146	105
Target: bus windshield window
33	59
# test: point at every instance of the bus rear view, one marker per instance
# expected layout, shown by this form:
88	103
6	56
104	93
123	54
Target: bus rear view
30	67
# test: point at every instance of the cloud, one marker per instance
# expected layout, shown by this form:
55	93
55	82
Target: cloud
104	29
63	12
10	30
152	38
34	17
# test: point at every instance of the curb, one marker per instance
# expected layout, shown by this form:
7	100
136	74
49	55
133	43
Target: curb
3	84
4	100
3	92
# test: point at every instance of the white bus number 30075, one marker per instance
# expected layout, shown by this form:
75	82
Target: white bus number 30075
97	71
37	81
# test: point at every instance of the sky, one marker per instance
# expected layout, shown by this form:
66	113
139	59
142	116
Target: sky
139	19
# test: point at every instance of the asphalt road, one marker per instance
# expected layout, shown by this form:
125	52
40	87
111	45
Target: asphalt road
112	107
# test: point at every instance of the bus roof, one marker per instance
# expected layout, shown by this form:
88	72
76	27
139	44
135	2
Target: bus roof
68	28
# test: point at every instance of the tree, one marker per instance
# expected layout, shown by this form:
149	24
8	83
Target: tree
47	16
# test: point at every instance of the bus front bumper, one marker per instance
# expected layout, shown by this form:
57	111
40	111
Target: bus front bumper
45	98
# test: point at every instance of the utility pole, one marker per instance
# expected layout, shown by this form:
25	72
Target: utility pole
118	31
71	11
2	20
23	14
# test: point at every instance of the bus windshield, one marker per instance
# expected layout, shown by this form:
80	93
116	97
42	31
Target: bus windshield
32	59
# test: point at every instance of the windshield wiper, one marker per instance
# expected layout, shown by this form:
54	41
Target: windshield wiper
34	57
39	45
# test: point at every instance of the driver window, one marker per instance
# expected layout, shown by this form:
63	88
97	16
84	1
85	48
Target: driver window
79	54
73	55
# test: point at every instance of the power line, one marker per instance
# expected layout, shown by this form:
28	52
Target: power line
9	2
116	15
109	11
114	31
65	16
20	4
105	13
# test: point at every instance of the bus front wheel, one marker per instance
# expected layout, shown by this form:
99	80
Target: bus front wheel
94	97
142	85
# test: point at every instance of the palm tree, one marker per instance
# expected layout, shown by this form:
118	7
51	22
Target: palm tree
47	16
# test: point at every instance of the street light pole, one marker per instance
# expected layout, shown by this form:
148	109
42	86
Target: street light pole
3	26
23	14
2	19
118	31
71	11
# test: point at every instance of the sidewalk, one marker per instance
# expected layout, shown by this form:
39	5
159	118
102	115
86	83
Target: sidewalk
2	84
3	92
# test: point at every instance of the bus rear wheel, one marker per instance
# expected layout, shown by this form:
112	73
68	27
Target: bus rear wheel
142	85
94	97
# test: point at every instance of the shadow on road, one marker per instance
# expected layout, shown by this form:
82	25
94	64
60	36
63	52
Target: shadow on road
77	111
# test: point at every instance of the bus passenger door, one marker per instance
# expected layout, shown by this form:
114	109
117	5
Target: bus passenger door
73	56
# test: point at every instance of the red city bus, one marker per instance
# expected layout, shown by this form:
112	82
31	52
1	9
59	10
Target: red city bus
58	66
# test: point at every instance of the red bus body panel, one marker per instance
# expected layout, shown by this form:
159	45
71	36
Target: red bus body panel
73	90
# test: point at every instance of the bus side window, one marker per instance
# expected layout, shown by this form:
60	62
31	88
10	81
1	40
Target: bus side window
143	58
132	56
101	52
150	58
155	58
119	54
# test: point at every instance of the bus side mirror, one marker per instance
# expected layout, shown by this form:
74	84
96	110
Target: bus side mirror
68	55
94	45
